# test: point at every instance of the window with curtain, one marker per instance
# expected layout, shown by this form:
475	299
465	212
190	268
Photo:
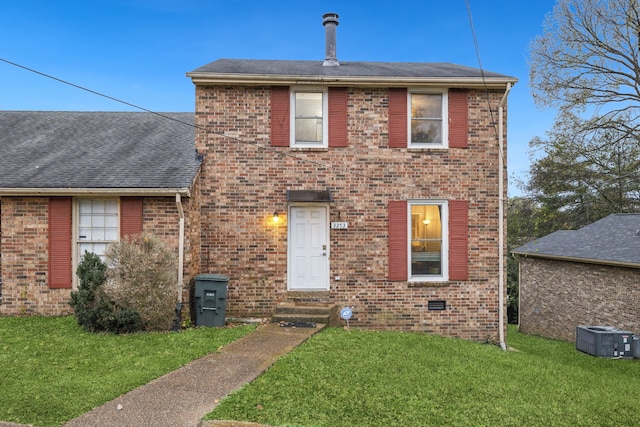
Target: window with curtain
427	244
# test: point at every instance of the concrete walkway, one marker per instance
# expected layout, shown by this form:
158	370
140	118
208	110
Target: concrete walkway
184	396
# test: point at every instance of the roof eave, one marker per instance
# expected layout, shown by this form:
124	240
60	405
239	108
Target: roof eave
577	259
368	81
94	191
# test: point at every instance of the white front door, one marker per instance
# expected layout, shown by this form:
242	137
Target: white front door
308	248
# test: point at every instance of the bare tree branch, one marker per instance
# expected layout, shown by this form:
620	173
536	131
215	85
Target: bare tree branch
587	60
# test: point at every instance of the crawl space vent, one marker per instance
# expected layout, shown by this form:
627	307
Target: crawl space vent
437	305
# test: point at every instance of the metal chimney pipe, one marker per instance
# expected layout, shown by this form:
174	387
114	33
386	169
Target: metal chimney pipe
330	22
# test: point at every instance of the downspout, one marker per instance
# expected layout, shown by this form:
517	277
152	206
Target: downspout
501	233
519	296
180	261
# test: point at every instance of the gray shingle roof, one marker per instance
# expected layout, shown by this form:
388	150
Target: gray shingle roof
346	69
96	150
612	240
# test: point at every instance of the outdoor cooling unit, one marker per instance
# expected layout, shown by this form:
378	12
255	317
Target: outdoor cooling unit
604	341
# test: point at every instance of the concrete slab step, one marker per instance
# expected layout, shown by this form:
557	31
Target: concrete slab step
300	318
306	313
303	309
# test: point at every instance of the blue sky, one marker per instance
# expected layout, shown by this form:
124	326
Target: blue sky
140	50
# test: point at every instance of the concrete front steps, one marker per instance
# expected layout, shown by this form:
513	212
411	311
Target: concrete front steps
297	312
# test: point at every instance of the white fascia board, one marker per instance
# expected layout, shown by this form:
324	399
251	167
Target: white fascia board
270	79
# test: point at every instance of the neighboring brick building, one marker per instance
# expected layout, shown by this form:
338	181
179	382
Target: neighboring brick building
589	276
385	178
74	181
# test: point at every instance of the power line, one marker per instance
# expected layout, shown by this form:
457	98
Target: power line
66	82
486	89
252	143
209	131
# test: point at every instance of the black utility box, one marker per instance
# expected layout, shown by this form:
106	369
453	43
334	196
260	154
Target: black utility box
209	299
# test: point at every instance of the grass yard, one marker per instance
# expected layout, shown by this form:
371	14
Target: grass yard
358	378
51	370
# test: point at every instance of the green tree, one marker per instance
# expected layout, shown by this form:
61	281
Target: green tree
580	178
586	63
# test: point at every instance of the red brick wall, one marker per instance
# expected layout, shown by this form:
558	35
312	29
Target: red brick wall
161	218
242	184
557	296
24	248
25	287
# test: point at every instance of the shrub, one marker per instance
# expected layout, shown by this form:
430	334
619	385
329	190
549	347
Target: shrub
94	310
142	275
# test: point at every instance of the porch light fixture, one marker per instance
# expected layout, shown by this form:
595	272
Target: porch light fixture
275	217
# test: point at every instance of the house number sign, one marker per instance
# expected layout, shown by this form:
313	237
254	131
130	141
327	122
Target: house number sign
339	225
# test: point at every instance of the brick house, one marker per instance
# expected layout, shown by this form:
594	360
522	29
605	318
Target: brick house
377	186
373	185
589	276
74	181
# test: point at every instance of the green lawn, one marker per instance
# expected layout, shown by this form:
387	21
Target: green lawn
51	370
357	378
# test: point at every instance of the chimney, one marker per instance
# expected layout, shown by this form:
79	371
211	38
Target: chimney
330	22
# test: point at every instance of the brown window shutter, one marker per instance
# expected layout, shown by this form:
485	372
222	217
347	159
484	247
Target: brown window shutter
458	240
398	241
398	117
338	136
280	116
130	216
458	118
60	242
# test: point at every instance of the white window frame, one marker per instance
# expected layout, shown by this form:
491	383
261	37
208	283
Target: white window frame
444	218
325	117
76	255
445	118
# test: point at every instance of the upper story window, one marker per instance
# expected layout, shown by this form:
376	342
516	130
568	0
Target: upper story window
427	122
427	118
309	118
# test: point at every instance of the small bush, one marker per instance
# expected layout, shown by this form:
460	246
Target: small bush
94	310
142	275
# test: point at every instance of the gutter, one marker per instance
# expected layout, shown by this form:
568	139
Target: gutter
355	81
501	311
178	319
180	248
626	264
13	191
